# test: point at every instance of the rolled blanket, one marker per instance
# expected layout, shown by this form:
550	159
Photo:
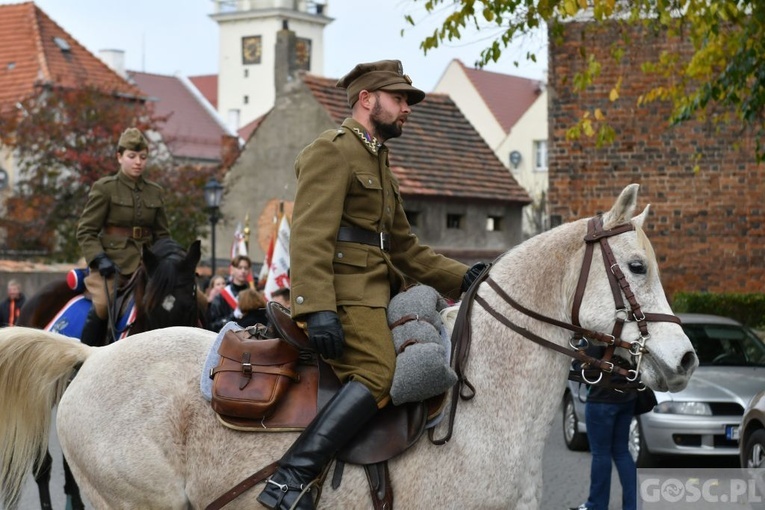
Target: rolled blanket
422	362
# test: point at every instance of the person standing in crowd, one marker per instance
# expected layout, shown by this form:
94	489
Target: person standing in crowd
253	307
351	247
124	212
608	414
282	296
216	284
11	305
225	306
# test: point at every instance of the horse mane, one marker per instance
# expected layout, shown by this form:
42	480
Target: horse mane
160	280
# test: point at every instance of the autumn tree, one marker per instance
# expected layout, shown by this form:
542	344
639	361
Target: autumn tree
64	140
722	81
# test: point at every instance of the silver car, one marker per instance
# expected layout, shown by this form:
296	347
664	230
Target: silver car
705	417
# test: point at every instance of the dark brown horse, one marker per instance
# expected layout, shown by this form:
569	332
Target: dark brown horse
165	294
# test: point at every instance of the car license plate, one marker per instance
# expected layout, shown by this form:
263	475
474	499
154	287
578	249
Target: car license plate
731	432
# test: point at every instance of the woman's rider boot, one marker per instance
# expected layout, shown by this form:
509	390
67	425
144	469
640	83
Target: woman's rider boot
334	426
94	330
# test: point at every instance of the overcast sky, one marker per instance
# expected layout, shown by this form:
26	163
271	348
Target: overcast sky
169	36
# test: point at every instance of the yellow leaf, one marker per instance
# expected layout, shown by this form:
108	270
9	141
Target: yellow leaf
599	114
613	95
587	126
570	7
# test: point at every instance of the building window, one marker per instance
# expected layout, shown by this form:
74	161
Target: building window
246	99
493	223
246	73
413	217
454	221
540	155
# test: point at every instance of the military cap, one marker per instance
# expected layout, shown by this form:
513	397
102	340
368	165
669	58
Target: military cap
385	75
132	139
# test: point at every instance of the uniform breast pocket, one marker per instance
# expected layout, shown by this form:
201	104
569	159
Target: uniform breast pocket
121	210
152	206
365	197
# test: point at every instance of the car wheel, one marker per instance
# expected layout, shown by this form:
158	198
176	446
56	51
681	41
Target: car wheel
638	449
753	455
574	439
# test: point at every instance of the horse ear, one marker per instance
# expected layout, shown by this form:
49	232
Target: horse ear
622	210
149	259
194	253
640	218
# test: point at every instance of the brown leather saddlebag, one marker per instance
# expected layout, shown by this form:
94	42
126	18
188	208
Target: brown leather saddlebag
253	374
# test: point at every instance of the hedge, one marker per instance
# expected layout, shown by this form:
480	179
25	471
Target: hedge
748	309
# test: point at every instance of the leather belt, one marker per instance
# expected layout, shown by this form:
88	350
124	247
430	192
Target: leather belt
359	235
134	232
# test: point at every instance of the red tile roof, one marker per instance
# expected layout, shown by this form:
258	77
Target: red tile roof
440	154
36	50
245	132
508	97
191	131
207	86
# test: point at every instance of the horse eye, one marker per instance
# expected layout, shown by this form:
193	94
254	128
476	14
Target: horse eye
637	267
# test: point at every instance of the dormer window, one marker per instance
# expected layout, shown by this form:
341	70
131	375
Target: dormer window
62	44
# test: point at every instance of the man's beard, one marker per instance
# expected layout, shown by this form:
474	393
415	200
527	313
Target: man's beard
384	130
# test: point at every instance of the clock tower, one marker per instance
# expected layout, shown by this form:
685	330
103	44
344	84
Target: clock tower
247	57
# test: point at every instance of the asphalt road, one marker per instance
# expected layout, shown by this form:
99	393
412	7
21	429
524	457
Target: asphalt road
566	475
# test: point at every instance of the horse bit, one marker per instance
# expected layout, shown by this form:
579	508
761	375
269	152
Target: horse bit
580	340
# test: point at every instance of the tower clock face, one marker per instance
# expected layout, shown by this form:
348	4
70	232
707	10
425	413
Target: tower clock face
252	47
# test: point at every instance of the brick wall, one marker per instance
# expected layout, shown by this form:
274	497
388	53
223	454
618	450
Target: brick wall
707	227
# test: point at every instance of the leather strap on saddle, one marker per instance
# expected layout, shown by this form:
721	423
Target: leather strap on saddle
243	486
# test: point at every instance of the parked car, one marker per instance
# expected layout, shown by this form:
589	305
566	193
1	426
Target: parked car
752	442
704	418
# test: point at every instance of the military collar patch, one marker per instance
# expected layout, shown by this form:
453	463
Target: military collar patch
371	143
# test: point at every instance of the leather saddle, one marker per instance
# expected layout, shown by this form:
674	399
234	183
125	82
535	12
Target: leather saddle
392	431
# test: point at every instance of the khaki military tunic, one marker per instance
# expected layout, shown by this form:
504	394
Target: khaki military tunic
344	179
119	201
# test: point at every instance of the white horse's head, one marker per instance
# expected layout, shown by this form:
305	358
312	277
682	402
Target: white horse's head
668	357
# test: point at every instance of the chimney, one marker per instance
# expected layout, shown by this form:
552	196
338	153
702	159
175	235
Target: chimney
115	59
286	57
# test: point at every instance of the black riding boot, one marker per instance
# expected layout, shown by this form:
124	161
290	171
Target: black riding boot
94	331
336	424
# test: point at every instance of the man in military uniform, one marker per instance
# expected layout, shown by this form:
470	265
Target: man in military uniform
351	247
123	213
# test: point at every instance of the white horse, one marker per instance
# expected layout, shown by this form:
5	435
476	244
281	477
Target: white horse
138	433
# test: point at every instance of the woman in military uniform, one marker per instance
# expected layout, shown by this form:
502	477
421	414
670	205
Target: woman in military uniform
124	212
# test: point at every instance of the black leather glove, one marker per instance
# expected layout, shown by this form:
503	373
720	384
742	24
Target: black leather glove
104	264
471	275
326	334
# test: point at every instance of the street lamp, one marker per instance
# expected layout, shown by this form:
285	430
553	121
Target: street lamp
213	194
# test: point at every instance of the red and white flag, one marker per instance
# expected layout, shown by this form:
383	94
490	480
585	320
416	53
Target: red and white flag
263	275
279	267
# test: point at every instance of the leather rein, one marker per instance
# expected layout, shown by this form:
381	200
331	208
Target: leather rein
620	288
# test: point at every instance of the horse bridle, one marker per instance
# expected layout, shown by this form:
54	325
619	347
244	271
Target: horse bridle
620	288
